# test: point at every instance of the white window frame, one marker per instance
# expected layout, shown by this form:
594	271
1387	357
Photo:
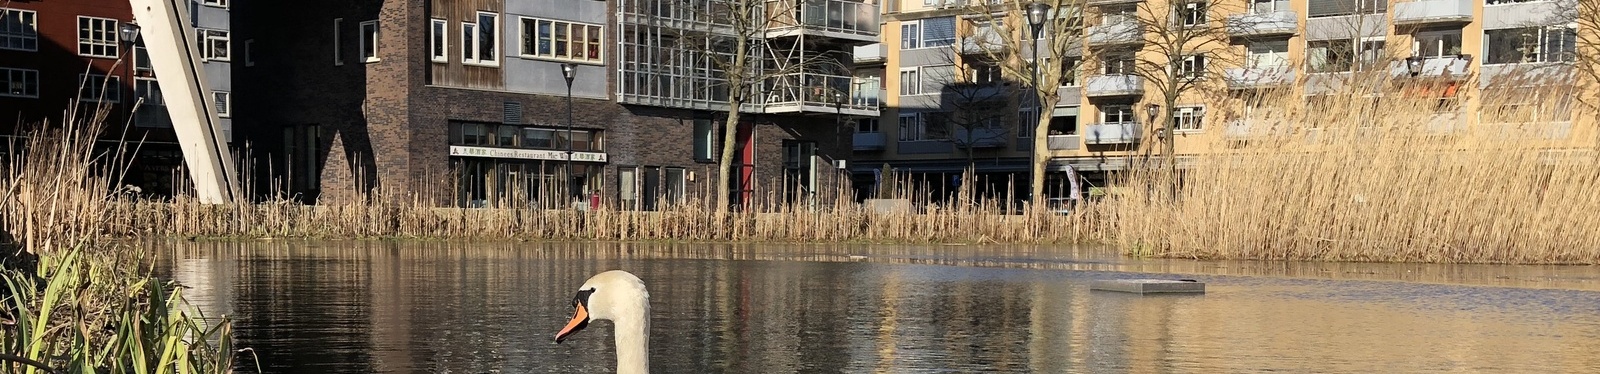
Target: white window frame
574	39
1189	119
1077	71
915	130
147	93
915	35
369	28
1130	116
916	84
338	53
208	37
108	84
1192	14
215	3
249	45
223	102
1191	67
1027	121
439	39
7	74
473	45
141	55
99	35
1541	39
18	40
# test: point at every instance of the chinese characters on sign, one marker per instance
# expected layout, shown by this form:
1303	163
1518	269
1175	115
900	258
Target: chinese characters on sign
526	154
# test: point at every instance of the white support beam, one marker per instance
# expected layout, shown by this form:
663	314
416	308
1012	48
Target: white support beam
175	58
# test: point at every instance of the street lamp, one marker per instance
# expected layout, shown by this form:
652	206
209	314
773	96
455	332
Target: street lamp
1414	65
569	71
1037	11
130	34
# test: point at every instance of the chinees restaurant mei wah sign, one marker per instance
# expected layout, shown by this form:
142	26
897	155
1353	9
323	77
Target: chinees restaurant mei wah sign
525	154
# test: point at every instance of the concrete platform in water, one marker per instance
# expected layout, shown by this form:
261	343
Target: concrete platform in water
1148	286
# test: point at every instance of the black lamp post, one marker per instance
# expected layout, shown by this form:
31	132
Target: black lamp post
1414	65
1037	12
568	71
129	32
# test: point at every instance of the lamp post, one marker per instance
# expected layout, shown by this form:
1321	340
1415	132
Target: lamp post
130	34
1414	65
568	71
1037	11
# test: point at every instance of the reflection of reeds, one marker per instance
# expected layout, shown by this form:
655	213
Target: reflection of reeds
1354	176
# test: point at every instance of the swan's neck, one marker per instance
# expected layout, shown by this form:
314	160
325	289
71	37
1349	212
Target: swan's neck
633	342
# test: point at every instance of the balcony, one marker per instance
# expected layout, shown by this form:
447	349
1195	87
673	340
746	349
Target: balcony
1112	133
1267	23
869	141
1447	67
1126	32
853	21
1113	86
1422	12
869	54
1259	78
1446	123
979	137
820	94
1065	142
1109	2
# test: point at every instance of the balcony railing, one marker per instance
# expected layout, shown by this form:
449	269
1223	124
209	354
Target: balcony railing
869	141
1254	78
1113	85
1125	32
1109	2
1112	133
854	20
1065	142
1446	123
820	93
871	53
979	137
1280	22
1447	67
1433	11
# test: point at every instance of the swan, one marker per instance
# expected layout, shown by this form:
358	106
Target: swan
620	297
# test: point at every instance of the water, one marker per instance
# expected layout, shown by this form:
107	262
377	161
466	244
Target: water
361	307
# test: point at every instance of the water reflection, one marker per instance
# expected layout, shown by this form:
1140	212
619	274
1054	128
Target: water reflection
473	308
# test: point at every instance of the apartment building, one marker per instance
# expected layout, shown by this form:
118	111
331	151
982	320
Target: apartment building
352	96
54	52
1104	116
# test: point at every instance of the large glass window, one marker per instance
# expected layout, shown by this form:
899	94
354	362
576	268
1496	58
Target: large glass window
19	29
542	38
1533	44
97	37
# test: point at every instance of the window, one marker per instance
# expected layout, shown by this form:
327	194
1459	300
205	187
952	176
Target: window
1027	121
369	41
1117	63
100	88
1188	118
910	35
249	44
910	127
910	82
473	134
561	40
152	110
983	72
1064	125
440	46
1268	54
141	57
938	32
1117	113
1070	70
338	53
19	82
1330	8
97	37
1437	43
213	44
215	3
1115	14
507	136
224	102
538	138
1190	14
19	29
479	40
867	125
1269	6
1533	44
704	131
1192	67
1341	55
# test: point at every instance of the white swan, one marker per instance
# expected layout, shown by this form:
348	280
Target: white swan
619	297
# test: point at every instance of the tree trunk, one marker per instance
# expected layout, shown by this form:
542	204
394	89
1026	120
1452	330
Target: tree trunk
730	128
1041	145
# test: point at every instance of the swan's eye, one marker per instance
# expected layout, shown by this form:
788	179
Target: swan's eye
582	298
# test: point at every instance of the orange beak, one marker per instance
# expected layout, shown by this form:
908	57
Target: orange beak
580	319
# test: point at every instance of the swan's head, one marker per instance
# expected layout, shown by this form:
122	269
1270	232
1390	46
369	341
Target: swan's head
607	296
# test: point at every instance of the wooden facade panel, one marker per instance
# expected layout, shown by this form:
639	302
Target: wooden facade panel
455	72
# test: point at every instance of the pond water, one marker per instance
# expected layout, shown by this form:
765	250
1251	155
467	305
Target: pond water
444	307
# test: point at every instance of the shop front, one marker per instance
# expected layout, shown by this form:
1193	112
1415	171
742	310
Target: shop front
513	166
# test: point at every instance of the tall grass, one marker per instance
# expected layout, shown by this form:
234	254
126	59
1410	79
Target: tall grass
72	301
1358	176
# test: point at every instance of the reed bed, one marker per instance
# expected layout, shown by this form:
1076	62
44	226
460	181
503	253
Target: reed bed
1361	177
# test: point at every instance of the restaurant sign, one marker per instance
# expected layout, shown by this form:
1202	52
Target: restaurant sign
525	154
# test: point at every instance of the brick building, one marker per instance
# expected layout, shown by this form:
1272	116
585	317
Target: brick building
52	52
466	100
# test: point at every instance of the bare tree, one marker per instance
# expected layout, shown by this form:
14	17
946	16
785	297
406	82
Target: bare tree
726	44
977	101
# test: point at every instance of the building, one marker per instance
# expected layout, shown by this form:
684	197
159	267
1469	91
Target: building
52	52
468	99
1308	46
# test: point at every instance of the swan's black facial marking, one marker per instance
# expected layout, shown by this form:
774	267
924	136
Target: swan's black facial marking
580	315
582	298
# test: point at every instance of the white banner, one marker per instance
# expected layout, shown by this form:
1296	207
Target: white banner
525	154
